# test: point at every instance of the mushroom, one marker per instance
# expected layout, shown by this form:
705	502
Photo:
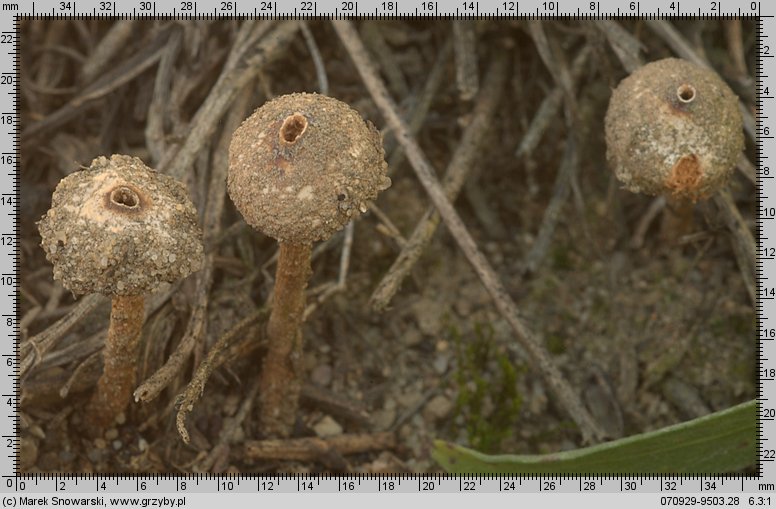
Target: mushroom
300	167
673	129
120	229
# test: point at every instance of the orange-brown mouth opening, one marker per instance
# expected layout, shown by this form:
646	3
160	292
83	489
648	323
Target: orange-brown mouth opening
294	126
124	199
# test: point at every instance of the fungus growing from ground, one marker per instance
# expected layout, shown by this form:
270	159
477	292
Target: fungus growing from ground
300	167
674	129
120	229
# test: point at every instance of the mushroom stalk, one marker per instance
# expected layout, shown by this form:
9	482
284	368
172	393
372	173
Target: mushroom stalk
114	389
677	219
281	376
121	229
300	168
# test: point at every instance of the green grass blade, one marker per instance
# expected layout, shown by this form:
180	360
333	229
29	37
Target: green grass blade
716	443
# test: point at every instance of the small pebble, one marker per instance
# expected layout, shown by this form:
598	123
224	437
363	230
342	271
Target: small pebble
411	337
117	445
321	375
439	407
94	455
67	456
327	427
111	434
440	364
383	419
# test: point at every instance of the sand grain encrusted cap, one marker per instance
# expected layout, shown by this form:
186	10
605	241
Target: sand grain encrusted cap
120	228
674	128
303	165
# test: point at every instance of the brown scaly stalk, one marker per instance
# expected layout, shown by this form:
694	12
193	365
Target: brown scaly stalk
300	168
119	373
281	375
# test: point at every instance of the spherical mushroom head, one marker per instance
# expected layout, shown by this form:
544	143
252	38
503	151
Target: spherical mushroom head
673	128
303	165
120	228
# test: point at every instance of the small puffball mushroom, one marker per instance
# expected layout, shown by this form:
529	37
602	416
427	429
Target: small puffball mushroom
673	128
120	229
303	165
300	167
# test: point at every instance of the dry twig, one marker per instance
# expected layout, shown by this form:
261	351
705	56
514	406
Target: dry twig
215	357
463	159
36	346
151	388
466	73
314	449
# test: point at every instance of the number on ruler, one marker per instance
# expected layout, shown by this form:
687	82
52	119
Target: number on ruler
550	6
106	6
226	7
187	6
306	6
510	6
65	6
146	6
265	6
674	6
349	6
389	6
470	6
428	6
